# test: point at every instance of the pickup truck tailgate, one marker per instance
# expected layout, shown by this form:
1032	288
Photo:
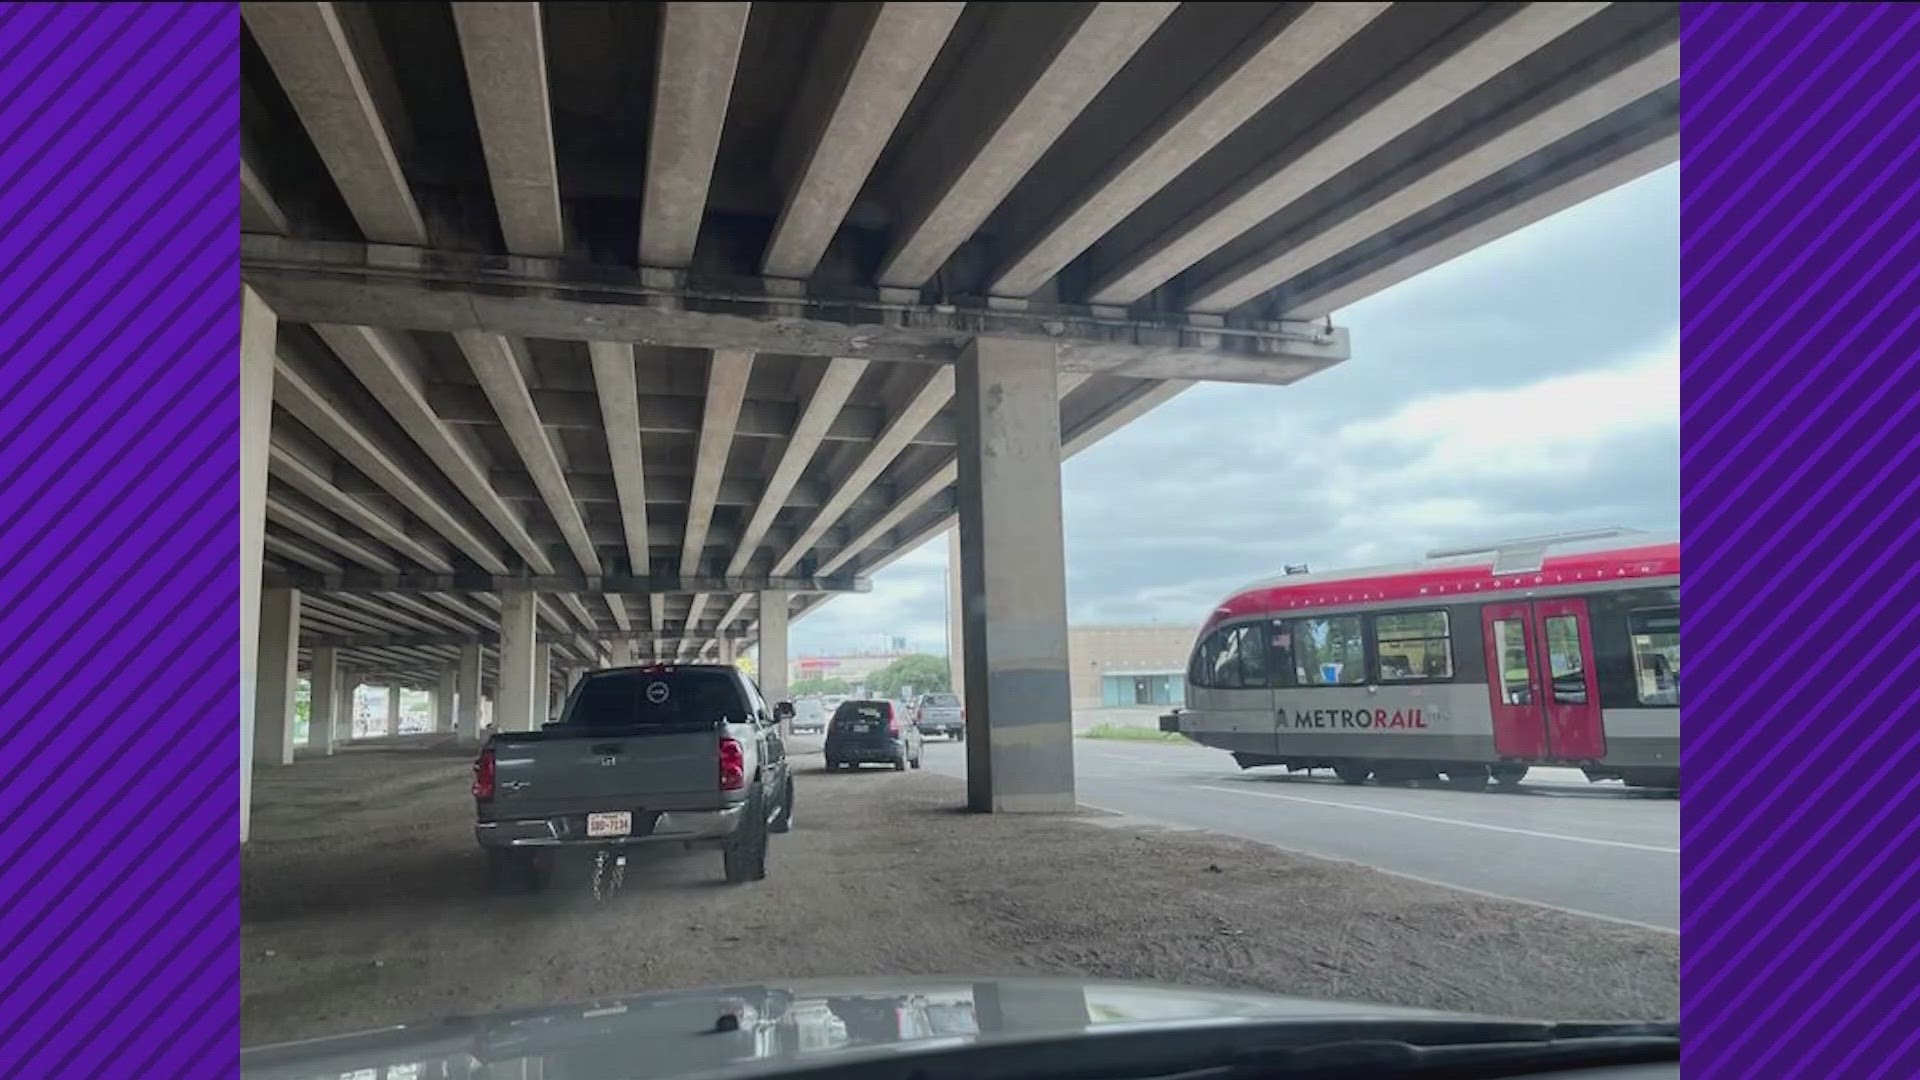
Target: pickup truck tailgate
658	766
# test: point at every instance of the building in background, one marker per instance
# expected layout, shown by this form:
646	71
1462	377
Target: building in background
1128	666
851	668
1112	666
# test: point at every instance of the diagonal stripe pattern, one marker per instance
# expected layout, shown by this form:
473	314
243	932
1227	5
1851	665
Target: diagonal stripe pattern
119	337
1801	467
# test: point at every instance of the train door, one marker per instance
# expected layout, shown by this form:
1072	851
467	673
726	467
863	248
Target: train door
1519	723
1572	698
1540	680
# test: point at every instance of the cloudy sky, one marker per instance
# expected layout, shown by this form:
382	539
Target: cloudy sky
1530	386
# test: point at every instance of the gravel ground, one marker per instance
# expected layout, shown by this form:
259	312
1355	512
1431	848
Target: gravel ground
364	903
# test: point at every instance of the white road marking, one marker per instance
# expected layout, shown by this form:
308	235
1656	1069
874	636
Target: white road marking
1448	821
1172	826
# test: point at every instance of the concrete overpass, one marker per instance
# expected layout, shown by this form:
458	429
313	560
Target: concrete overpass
577	333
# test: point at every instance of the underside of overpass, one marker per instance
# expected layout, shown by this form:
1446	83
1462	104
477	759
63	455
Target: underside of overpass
581	333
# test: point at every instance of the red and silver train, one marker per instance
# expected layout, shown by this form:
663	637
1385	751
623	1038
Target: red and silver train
1472	665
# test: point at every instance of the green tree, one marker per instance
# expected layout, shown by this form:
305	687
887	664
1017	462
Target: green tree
923	672
302	709
804	687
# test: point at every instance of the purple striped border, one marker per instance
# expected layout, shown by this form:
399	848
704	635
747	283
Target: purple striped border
119	338
1801	425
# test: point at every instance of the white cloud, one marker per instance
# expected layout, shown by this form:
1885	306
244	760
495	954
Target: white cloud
1549	426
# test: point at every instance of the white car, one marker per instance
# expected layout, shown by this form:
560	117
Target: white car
809	716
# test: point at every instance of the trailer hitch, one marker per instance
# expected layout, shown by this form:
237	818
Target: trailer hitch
609	872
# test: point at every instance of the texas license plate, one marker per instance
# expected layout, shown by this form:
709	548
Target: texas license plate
862	729
613	823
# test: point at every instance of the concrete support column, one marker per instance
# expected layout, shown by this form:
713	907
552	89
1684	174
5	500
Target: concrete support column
467	690
279	672
773	646
1013	578
443	699
393	710
323	701
513	710
624	652
259	328
726	649
956	629
542	685
574	675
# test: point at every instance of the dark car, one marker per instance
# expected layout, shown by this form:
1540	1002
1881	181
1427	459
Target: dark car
864	731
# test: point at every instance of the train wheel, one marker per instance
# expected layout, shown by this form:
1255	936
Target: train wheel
1353	773
1467	777
1509	774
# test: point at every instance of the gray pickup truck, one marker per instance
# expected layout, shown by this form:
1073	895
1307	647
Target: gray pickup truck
940	714
659	754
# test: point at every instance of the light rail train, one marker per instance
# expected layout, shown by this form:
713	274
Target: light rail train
1473	665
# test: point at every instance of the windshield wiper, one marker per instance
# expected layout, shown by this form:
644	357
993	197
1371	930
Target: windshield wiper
1632	1045
1424	1049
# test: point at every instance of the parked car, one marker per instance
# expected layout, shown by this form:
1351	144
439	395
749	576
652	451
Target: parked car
941	714
643	755
864	731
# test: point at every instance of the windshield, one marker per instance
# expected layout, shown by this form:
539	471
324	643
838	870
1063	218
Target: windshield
1179	493
640	699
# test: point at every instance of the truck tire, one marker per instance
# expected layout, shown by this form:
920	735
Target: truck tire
900	763
783	822
960	735
745	854
510	872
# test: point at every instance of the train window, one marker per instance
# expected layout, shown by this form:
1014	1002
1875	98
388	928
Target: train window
1413	646
1656	655
1226	662
1329	652
1279	652
1565	659
1253	656
1510	645
1201	667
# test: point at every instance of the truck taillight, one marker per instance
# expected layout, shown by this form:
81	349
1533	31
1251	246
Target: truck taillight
893	722
733	765
483	775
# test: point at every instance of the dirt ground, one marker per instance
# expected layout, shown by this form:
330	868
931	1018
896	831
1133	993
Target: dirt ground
364	903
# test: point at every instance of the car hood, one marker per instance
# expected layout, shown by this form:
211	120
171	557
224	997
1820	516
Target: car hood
769	1029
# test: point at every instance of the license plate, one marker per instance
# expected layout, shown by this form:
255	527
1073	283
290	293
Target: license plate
615	823
862	729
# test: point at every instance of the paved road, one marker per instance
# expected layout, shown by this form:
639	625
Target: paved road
1558	840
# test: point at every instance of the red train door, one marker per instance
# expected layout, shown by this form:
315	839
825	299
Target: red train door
1540	681
1513	681
1572	697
